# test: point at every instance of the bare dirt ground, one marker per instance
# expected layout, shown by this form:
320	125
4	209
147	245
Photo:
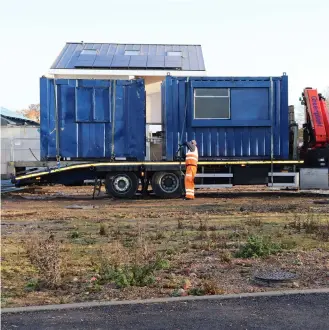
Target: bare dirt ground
60	246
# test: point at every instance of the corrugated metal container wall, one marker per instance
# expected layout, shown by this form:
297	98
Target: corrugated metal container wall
229	117
18	143
95	119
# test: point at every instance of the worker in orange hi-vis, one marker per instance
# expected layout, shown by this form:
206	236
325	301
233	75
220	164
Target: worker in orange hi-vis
191	162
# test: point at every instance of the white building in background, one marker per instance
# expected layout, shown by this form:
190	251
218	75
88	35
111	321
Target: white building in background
20	140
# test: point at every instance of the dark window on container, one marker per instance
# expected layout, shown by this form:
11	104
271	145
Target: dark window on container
212	103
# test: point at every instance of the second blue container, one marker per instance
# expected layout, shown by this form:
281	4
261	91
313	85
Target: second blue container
229	117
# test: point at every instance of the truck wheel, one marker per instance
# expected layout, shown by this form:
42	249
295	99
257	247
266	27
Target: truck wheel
121	185
166	184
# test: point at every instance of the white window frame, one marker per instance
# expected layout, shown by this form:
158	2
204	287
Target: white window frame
132	52
207	96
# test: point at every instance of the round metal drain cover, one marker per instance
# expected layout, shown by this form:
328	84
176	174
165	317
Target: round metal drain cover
325	201
275	276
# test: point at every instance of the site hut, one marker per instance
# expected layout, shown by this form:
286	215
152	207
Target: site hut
20	140
151	62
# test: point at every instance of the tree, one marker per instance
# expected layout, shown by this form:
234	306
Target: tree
32	112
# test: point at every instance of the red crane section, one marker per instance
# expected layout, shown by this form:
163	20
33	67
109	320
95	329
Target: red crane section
325	114
317	119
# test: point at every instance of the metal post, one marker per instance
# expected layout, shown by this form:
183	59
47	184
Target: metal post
295	147
113	118
148	143
12	143
271	115
56	119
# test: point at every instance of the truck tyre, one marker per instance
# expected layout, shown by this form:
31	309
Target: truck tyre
166	184
121	185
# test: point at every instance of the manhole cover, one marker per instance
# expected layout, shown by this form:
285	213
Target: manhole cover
321	202
275	276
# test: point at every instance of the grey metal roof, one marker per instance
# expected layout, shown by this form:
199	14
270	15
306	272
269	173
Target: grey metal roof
130	56
11	114
14	117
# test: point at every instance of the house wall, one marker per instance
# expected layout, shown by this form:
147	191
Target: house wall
153	99
15	145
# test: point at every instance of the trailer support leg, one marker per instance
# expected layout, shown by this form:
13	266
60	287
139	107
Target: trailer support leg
145	184
97	187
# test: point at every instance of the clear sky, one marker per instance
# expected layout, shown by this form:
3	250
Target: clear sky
239	38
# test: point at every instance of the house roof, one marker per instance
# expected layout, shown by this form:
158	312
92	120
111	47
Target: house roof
12	117
115	56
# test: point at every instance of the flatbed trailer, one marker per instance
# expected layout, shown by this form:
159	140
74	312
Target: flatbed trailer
123	178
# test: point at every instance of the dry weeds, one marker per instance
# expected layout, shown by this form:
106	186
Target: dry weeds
44	254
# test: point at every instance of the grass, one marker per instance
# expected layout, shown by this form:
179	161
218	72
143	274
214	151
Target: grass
311	225
128	266
136	247
203	225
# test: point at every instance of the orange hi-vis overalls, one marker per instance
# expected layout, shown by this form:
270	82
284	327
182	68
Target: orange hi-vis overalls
191	162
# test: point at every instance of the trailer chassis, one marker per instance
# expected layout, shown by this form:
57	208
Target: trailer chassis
123	179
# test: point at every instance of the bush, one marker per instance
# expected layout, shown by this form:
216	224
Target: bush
132	274
225	256
103	230
160	234
134	266
323	232
180	224
170	252
210	287
74	234
32	285
196	292
258	246
44	255
311	226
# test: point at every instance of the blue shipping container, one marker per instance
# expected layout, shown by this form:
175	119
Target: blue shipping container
229	117
92	119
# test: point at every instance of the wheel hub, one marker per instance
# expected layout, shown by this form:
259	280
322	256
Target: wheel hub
169	182
121	183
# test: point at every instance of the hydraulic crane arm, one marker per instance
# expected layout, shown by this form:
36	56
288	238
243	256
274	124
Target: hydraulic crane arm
316	129
325	114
